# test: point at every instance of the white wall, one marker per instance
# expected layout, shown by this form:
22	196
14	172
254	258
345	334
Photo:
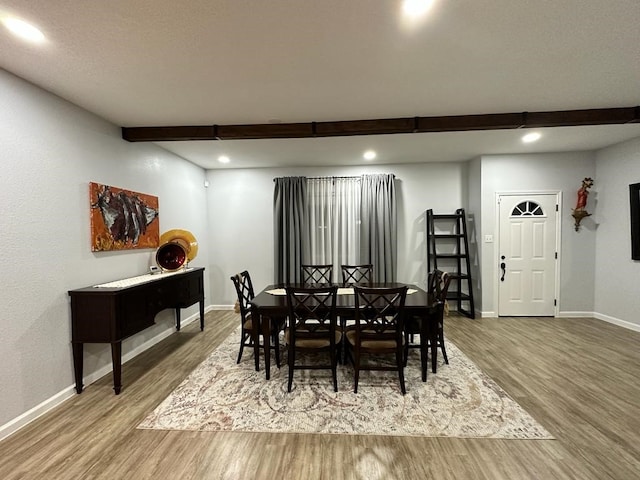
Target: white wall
617	277
554	171
51	150
241	217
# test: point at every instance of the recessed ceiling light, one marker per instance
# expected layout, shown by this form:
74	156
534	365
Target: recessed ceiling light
369	155
224	159
531	137
415	8
24	30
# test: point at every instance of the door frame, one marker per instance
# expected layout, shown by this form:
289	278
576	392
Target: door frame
496	244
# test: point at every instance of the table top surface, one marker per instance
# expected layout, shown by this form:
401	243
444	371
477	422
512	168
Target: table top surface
131	282
418	299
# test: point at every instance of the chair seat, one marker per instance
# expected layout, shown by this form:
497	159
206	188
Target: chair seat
371	344
316	343
277	323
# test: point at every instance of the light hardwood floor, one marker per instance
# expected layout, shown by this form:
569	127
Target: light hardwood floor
578	377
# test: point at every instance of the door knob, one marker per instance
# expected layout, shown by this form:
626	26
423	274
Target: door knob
503	266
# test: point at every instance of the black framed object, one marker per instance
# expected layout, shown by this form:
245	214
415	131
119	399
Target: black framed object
634	197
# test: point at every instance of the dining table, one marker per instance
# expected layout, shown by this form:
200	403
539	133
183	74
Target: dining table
271	303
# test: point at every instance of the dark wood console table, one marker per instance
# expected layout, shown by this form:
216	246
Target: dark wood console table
109	314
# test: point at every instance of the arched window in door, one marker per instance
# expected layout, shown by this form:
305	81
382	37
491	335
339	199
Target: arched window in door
527	208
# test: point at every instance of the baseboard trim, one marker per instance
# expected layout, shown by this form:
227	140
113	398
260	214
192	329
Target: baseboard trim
222	307
576	314
569	314
29	416
616	321
600	316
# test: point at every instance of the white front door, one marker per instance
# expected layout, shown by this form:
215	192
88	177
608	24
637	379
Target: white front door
527	254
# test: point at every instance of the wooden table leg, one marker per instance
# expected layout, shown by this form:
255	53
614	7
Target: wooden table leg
266	340
116	360
425	334
433	338
78	364
202	314
255	331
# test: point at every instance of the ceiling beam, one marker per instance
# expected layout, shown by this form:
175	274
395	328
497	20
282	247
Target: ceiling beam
386	126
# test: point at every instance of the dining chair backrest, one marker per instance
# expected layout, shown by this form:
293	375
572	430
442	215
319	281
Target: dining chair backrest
380	312
317	274
439	284
438	287
244	290
357	274
312	310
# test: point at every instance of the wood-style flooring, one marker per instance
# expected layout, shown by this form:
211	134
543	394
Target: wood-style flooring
578	377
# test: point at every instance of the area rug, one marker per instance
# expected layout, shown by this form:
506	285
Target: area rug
457	401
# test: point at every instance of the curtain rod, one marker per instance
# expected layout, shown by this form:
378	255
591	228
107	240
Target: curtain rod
332	177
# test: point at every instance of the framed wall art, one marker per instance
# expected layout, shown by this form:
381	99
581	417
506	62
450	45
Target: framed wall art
122	219
634	197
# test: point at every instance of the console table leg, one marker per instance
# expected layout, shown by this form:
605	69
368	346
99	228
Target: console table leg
178	319
116	360
202	315
77	364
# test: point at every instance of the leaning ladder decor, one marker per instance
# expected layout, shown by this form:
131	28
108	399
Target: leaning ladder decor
448	250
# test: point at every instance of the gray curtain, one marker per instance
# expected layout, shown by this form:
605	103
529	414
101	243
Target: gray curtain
378	238
289	227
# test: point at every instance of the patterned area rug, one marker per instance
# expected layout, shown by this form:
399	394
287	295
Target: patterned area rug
458	401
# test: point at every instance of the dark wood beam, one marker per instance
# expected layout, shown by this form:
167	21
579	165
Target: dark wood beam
386	126
158	134
265	130
365	127
464	123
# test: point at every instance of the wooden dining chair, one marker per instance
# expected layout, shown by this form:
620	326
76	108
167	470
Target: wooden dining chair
245	293
378	330
353	275
438	286
357	274
311	329
317	274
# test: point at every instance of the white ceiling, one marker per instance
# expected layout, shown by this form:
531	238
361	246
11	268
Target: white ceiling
204	62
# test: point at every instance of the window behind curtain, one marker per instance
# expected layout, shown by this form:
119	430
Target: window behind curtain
334	206
347	220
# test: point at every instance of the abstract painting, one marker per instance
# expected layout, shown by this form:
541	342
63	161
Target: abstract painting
122	219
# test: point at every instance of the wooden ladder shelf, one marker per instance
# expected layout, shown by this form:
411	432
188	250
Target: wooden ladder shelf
448	250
